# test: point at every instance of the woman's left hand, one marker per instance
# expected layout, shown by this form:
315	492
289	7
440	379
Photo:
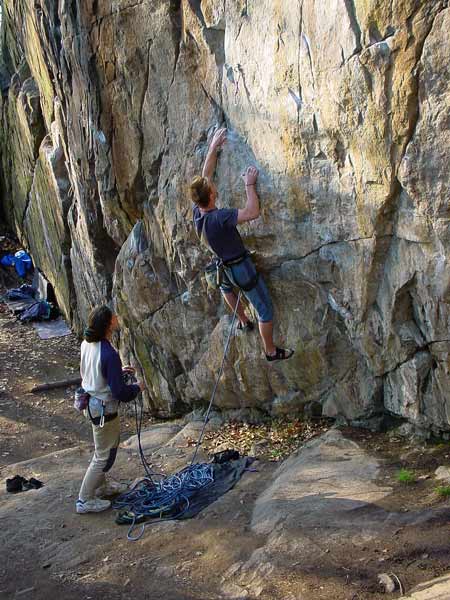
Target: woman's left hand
129	369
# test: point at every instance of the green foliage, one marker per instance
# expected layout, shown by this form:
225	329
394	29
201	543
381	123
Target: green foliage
443	491
406	476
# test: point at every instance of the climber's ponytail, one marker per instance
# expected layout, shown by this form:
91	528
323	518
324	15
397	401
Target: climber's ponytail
200	191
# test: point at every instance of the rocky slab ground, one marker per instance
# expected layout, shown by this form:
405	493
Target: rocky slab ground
325	523
316	526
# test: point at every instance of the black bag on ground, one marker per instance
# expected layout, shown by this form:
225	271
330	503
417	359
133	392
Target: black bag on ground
225	456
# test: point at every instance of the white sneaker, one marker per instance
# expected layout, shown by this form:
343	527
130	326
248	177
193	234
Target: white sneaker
111	488
95	505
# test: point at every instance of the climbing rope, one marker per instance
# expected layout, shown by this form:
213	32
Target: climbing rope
167	499
213	395
129	378
139	414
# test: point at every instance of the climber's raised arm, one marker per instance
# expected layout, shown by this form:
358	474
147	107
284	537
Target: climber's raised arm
251	210
218	140
217	228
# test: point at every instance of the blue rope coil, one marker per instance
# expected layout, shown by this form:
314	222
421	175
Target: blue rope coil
166	499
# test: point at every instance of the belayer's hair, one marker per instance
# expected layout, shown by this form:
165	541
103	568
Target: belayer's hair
200	191
98	323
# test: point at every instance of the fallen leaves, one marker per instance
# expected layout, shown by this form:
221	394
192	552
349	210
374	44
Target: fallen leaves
273	440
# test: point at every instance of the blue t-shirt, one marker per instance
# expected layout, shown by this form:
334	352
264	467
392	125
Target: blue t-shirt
219	228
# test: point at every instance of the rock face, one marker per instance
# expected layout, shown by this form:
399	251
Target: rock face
106	114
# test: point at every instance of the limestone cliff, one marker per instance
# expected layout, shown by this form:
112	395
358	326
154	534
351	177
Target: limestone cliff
343	105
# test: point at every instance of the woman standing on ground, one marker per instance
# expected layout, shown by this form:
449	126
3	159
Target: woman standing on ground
102	378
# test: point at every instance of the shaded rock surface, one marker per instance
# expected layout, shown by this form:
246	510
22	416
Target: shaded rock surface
324	483
107	108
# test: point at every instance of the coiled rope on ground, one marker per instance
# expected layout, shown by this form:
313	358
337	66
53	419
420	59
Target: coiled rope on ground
167	499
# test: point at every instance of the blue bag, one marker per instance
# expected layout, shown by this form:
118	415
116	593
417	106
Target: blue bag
7	260
25	292
38	311
22	262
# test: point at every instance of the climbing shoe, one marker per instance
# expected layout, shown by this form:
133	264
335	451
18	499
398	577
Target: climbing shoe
20	484
225	456
280	354
32	484
111	488
15	484
94	505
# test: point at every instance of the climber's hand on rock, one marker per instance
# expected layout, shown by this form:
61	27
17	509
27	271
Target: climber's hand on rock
219	139
129	370
141	385
250	176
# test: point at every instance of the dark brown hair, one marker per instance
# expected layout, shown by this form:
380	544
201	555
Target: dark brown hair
98	324
200	191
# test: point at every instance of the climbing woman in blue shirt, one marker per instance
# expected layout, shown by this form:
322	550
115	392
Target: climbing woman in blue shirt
103	379
217	228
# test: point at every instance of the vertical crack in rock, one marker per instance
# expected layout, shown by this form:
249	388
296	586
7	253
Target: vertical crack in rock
196	6
215	38
28	196
299	61
176	18
217	107
414	105
425	376
351	11
177	34
341	345
387	214
139	187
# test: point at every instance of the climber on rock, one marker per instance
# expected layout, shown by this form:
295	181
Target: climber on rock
217	229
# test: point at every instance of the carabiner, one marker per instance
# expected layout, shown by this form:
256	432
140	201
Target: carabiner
102	416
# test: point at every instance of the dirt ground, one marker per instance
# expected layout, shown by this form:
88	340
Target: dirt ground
178	560
34	424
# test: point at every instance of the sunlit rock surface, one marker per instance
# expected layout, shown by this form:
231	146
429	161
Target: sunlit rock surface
106	113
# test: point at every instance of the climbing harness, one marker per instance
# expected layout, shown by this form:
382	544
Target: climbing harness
103	417
167	499
214	274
